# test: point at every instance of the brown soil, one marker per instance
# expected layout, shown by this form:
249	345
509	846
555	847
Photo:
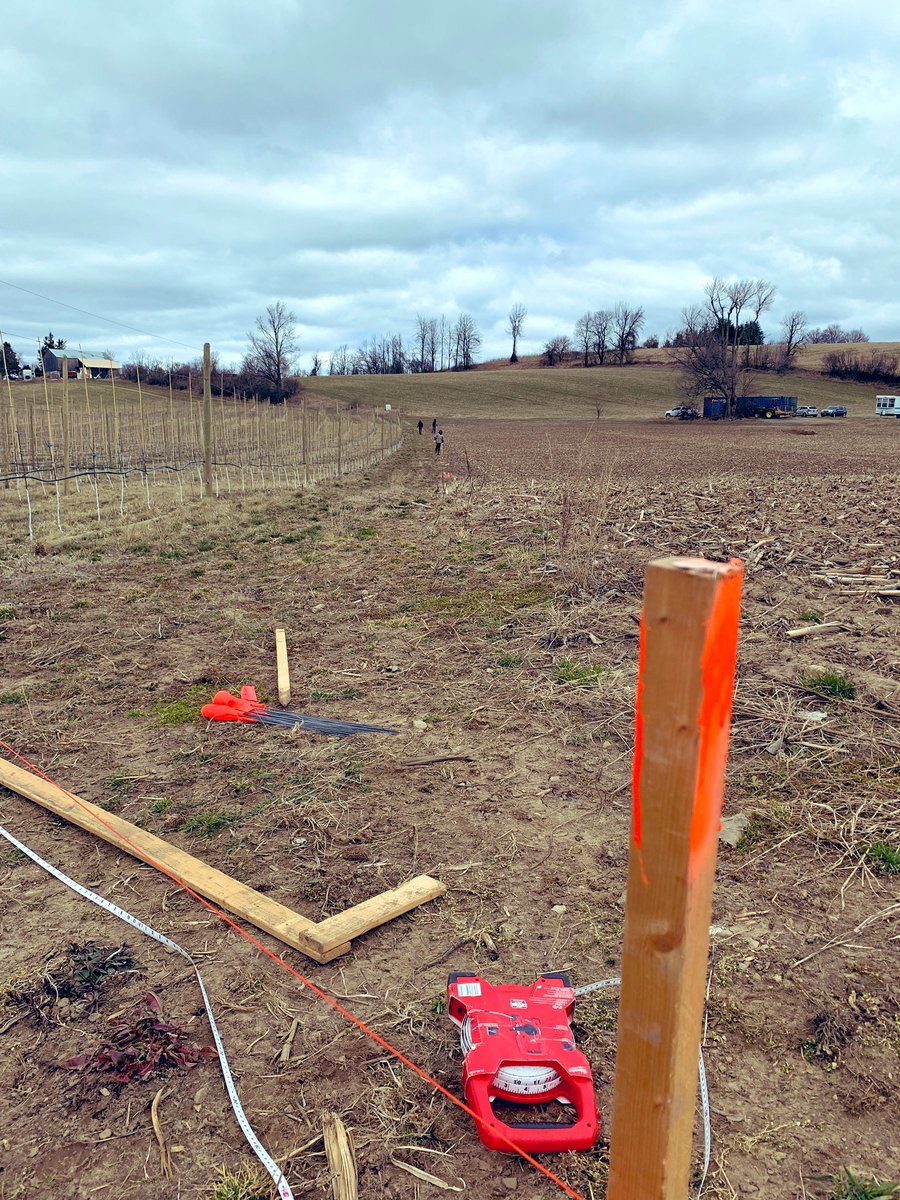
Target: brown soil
497	605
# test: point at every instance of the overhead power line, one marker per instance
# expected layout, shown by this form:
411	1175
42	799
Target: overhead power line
97	316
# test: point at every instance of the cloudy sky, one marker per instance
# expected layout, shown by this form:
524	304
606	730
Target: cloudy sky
177	166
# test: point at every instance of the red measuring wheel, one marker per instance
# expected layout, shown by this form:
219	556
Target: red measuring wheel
519	1048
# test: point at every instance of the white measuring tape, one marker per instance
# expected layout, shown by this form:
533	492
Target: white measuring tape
615	981
255	1144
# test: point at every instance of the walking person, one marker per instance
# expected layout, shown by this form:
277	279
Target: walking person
433	426
438	441
420	426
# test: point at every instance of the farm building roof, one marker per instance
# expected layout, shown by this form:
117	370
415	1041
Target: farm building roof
87	361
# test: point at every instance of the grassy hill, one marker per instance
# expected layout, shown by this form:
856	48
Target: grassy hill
496	389
529	392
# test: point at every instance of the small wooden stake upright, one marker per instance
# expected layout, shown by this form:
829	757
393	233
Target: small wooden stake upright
284	676
688	649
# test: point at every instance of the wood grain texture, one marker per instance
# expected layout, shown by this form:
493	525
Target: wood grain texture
322	942
359	919
281	662
688	648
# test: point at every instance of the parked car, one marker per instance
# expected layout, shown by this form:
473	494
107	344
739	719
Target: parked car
683	412
834	410
807	410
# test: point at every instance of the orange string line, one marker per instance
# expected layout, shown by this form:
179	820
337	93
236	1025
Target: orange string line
306	982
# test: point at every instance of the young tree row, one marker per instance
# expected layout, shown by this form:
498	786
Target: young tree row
604	334
437	344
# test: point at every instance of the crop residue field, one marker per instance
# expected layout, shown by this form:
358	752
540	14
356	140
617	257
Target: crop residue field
485	605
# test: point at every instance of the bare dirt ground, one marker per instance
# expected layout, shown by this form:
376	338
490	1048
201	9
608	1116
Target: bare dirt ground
497	606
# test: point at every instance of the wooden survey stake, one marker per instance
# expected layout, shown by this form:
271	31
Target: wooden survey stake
289	927
284	675
688	649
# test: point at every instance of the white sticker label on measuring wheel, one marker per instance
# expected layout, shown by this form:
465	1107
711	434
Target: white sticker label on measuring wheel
469	989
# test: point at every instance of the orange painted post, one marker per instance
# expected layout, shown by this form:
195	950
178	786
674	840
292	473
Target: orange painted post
689	630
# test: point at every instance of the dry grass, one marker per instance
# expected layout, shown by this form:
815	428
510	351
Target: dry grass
531	392
471	617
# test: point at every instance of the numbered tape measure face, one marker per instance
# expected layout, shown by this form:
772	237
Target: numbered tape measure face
515	1080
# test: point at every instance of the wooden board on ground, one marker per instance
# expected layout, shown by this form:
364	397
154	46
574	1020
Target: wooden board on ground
320	941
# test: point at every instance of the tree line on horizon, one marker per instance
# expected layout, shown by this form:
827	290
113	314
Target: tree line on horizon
719	343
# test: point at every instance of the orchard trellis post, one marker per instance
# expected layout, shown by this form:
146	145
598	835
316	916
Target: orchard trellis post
112	431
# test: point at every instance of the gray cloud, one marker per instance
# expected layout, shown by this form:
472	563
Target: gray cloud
177	167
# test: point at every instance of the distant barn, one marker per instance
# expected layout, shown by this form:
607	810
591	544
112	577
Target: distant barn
97	368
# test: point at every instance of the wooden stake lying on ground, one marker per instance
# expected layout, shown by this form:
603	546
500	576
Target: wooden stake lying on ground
685	690
812	630
322	942
284	675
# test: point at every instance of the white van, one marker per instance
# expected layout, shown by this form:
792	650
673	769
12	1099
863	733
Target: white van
887	406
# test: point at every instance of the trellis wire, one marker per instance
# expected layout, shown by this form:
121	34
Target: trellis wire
118	432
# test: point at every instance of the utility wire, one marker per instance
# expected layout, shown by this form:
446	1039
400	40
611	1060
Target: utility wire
98	317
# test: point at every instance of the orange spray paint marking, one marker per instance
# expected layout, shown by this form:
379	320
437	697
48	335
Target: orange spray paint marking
718	668
719	660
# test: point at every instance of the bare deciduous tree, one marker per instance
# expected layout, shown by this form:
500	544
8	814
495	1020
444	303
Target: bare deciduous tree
514	324
833	335
626	327
341	361
420	340
708	347
584	336
602	324
426	342
556	349
273	350
793	329
465	341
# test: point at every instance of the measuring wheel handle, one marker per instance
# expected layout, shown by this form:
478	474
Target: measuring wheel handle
537	1137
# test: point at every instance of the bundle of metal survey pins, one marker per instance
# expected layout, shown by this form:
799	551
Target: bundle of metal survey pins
251	711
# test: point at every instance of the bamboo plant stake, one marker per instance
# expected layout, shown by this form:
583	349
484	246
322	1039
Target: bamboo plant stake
67	427
50	445
171	415
116	430
207	421
137	376
87	398
12	408
689	629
